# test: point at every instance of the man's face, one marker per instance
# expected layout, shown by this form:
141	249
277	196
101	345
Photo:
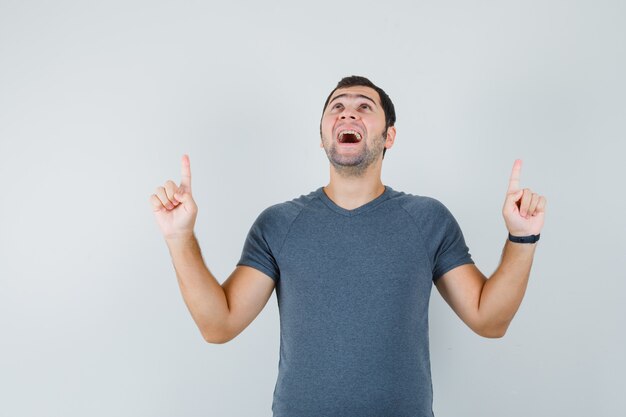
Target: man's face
352	129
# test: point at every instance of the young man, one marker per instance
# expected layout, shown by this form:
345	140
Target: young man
353	265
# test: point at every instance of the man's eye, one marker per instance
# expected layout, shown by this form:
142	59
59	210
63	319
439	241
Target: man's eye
367	106
337	105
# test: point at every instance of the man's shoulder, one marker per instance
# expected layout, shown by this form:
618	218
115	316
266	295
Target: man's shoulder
286	211
418	205
427	212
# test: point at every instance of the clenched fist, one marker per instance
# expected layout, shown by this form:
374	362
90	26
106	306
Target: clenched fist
173	206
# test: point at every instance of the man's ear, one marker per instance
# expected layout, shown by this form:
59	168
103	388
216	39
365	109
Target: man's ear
321	140
391	136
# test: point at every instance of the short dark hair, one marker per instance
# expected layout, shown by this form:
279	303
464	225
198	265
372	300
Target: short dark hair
385	101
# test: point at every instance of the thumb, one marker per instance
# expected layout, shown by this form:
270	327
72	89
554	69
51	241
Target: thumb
182	196
512	198
186	199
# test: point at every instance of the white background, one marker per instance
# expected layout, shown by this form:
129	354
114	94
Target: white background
99	100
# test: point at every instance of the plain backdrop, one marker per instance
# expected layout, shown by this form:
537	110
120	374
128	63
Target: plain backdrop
99	101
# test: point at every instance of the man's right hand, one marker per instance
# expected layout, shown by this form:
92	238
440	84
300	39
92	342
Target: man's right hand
174	208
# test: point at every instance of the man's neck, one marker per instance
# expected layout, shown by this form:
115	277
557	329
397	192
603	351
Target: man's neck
353	192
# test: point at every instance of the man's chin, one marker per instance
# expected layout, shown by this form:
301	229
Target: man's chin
349	167
346	163
339	162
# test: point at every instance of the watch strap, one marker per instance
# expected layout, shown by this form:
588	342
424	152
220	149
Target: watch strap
524	239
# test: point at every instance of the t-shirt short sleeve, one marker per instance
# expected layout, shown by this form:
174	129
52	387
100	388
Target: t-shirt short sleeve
260	244
448	246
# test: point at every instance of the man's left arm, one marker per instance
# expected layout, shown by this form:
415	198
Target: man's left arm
487	306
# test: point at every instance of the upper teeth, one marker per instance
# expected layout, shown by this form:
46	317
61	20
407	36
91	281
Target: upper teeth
353	132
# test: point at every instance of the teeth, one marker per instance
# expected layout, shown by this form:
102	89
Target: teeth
354	132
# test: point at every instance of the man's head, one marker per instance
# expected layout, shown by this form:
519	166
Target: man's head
382	100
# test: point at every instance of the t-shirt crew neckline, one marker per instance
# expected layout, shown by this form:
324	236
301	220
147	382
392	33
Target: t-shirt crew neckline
361	209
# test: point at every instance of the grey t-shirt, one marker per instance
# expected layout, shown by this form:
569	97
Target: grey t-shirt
353	288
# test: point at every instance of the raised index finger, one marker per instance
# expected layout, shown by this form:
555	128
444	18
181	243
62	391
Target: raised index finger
185	181
514	180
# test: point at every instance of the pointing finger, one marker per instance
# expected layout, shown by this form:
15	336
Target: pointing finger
185	181
514	179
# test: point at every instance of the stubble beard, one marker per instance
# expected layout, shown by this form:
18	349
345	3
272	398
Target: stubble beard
354	165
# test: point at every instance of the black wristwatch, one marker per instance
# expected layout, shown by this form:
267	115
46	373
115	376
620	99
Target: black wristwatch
524	239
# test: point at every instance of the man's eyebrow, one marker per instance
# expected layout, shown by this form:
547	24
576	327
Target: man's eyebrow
352	96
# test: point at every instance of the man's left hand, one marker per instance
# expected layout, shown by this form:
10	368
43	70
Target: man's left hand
523	210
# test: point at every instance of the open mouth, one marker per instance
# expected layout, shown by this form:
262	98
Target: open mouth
349	136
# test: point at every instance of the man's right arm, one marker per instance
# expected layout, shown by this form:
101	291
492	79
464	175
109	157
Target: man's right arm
221	312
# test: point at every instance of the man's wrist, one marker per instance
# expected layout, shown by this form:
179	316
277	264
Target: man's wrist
183	239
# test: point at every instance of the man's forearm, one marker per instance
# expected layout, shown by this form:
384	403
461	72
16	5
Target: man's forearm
503	292
204	296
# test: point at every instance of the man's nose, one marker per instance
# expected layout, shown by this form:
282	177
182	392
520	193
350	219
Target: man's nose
349	113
